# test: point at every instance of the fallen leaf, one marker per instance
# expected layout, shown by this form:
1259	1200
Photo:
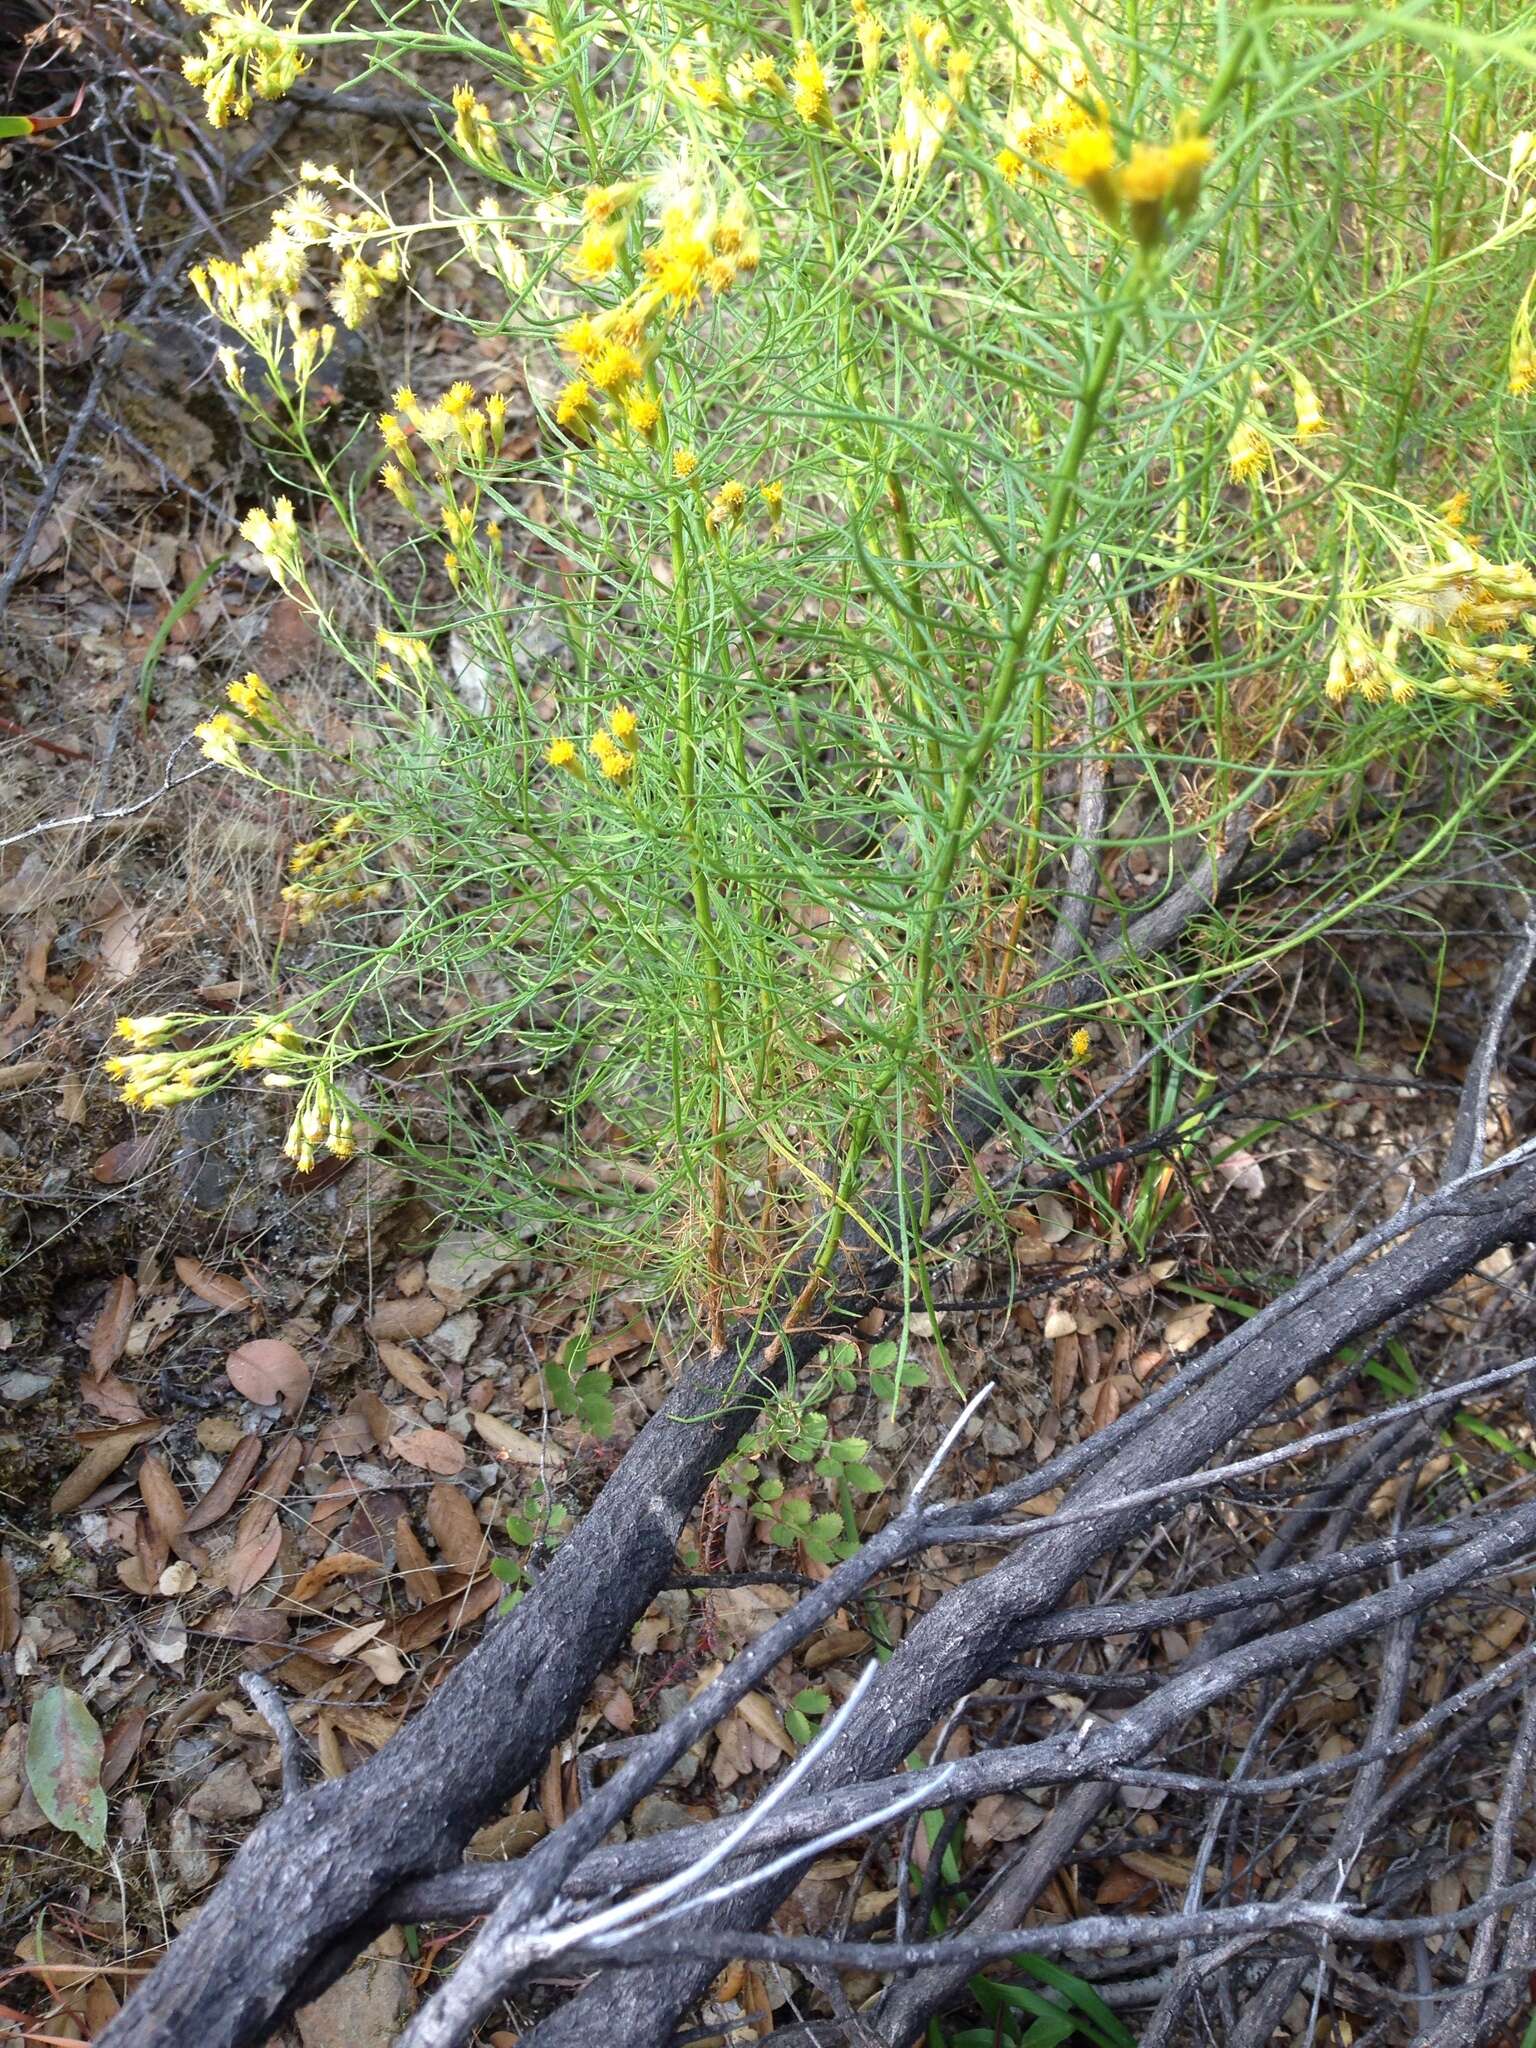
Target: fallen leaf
455	1529
453	1610
122	1745
272	1486
10	1605
1188	1325
121	945
250	1561
268	1369
433	1450
227	1488
414	1566
112	1397
98	1464
109	1332
162	1498
415	1316
1242	1171
219	1290
22	1074
514	1445
64	1758
407	1368
176	1579
762	1718
341	1564
126	1161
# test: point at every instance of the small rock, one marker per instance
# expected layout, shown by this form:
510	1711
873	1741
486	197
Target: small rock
18	1388
655	1815
455	1339
227	1795
463	1266
999	1440
191	1859
364	2008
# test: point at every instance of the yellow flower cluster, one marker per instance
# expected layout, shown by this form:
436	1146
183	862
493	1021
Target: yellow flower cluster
321	1123
263	723
811	89
699	247
612	747
1251	450
275	537
474	130
925	115
1155	183
1035	131
244	57
429	445
325	873
1449	602
260	295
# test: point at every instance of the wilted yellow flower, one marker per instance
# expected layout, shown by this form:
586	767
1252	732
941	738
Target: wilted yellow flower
474	130
535	42
275	537
1310	418
871	35
1522	351
1249	452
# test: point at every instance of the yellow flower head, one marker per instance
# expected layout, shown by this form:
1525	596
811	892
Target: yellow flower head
611	758
597	253
1081	1044
624	724
574	406
812	98
1087	159
613	366
684	463
772	495
561	754
643	413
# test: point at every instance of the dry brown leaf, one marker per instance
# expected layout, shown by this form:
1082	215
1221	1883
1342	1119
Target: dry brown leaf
22	1074
98	1465
419	1581
762	1717
433	1450
112	1397
407	1368
161	1496
455	1529
10	1605
122	1745
250	1561
417	1316
125	1162
272	1485
341	1564
268	1369
1187	1326
109	1332
452	1611
227	1488
515	1446
219	1290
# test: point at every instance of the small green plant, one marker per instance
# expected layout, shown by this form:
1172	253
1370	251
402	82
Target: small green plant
537	1523
795	1427
803	1718
583	1392
891	1375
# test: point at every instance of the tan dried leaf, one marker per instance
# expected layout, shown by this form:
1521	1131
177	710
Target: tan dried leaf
109	1332
98	1465
455	1529
515	1446
227	1488
219	1290
407	1368
432	1450
268	1369
341	1564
